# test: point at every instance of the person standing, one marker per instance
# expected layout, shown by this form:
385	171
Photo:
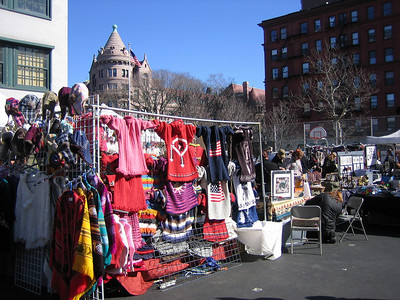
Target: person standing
294	163
278	158
268	166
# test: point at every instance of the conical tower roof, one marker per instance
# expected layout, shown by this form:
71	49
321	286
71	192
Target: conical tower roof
114	49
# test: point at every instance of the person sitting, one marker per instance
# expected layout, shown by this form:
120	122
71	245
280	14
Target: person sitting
268	166
331	206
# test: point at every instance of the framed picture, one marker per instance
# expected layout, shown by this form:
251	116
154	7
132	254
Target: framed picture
282	185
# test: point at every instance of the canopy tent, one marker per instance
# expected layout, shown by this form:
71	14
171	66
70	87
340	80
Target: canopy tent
393	138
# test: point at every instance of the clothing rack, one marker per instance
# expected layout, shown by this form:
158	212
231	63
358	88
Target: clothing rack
142	113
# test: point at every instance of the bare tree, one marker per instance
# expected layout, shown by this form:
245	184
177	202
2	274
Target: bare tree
165	92
334	85
278	125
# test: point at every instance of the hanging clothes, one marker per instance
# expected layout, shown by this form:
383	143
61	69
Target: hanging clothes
242	144
69	217
215	139
218	203
177	136
131	157
32	210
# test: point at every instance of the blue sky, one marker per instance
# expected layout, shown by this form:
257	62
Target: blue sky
199	37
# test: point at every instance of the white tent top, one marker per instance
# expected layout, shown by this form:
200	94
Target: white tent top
393	138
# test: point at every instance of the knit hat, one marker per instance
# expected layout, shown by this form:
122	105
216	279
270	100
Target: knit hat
31	107
50	100
78	97
81	146
63	96
12	109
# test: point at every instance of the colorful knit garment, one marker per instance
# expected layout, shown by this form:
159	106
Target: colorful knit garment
148	222
83	260
181	198
178	228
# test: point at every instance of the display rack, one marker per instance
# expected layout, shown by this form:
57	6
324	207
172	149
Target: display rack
28	268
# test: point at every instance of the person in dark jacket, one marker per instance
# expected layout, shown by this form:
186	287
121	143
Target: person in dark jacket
279	157
331	206
329	165
268	167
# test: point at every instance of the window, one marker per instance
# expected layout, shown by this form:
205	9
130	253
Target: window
305	68
390	100
370	12
304	48
284	53
372	79
318	45
354	16
274	93
303	28
285	92
37	8
389	78
307	108
375	125
334	60
273	36
317	25
112	86
283	33
354	37
333	42
319	66
357	82
285	72
101	73
342	18
356	59
306	87
387	9
275	73
23	66
101	87
357	103
320	85
125	73
343	40
358	123
332	21
1	65
371	35
390	123
374	101
387	32
274	54
372	57
388	54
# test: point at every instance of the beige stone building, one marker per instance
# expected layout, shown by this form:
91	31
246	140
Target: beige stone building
113	73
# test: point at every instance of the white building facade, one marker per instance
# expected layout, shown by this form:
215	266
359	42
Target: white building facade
33	47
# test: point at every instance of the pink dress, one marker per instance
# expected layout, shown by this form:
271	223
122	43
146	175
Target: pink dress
131	157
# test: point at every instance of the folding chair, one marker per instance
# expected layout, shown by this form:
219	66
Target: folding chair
306	218
351	214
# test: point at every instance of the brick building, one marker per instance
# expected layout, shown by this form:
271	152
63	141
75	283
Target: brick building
369	28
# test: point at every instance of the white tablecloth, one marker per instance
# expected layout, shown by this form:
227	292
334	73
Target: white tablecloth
263	238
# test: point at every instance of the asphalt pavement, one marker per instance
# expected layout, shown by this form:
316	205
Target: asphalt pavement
351	270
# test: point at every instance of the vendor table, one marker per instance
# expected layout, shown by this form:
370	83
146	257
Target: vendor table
278	210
